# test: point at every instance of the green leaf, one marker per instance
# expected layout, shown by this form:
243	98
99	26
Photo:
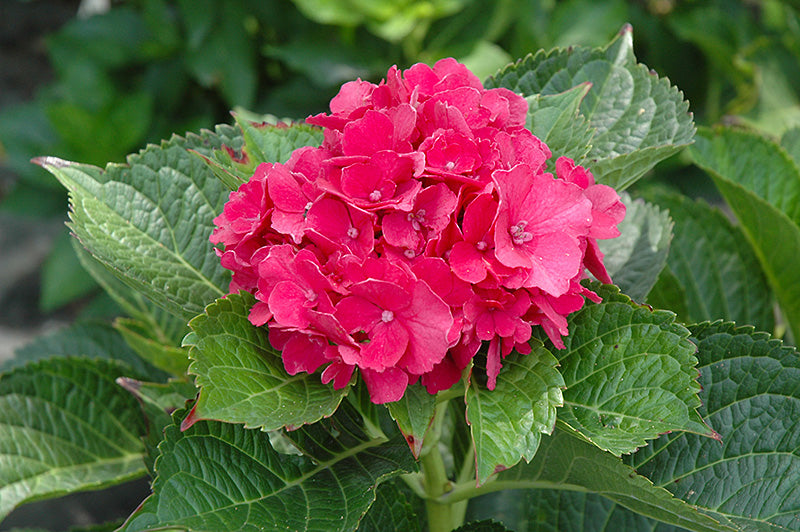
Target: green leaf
396	507
149	221
413	414
219	476
567	462
556	120
242	378
554	510
715	265
753	162
173	360
630	374
66	426
761	183
507	423
669	293
90	339
161	325
272	141
752	397
638	118
636	257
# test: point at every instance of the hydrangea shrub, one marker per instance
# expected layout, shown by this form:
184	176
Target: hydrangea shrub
431	308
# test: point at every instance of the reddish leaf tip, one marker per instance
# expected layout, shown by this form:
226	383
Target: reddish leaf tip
190	419
236	156
415	444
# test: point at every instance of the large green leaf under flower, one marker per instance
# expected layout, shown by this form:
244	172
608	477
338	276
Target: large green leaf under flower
630	374
748	481
752	397
219	476
567	462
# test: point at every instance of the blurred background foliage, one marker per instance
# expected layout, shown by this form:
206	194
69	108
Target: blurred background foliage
142	69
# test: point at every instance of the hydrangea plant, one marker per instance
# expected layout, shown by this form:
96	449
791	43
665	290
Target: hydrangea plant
424	310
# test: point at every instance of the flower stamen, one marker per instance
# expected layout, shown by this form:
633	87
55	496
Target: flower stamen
518	233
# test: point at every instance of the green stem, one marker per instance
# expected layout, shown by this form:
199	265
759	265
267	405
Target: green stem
442	517
464	491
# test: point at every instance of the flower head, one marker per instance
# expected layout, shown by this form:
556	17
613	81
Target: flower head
424	227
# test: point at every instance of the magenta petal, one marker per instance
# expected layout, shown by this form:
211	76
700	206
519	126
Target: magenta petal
357	314
479	216
556	260
387	294
484	325
428	320
593	261
352	95
385	386
259	314
398	231
607	211
288	303
387	343
284	190
493	363
442	377
367	135
504	325
329	217
289	223
360	180
304	353
338	372
467	262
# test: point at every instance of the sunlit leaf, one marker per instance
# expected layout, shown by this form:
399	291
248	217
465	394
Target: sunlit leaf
242	378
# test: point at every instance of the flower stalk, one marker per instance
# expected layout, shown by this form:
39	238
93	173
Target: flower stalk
442	517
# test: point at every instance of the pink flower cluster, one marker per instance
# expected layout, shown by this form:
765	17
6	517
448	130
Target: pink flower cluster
423	226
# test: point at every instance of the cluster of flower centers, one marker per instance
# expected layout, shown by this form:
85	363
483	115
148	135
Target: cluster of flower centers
425	227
